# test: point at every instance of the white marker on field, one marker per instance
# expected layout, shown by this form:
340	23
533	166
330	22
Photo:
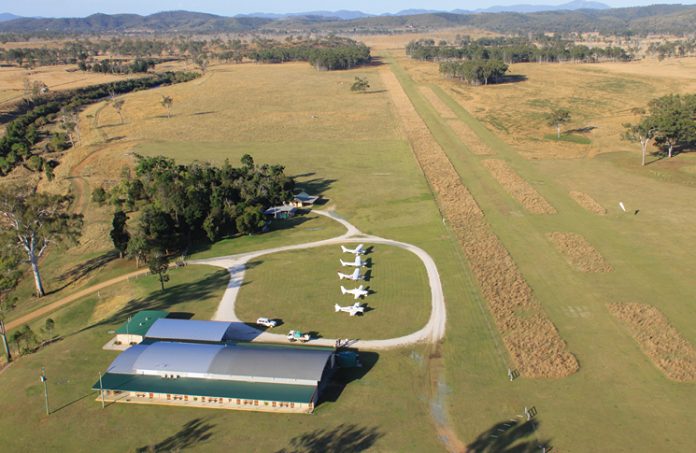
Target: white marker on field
621	205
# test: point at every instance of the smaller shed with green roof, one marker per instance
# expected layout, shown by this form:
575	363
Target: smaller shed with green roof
133	331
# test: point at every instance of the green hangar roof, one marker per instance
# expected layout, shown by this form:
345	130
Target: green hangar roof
141	322
208	388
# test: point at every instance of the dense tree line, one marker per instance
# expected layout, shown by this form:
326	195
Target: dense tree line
110	66
327	53
22	132
182	203
514	50
669	122
475	72
669	49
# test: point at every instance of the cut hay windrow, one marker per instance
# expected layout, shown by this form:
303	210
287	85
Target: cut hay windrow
534	344
441	108
469	138
588	203
578	252
659	340
518	188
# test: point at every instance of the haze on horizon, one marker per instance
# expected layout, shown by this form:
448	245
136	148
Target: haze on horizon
81	8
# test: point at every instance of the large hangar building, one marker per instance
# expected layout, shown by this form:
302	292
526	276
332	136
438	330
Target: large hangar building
265	377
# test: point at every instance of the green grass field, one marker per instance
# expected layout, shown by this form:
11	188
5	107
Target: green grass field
613	394
77	422
351	152
301	288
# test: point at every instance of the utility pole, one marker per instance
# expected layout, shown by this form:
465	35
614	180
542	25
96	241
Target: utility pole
43	379
3	334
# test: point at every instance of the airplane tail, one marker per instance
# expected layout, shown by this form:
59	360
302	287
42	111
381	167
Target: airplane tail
337	308
343	263
341	276
344	249
343	290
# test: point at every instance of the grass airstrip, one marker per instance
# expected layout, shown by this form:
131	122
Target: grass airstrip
350	148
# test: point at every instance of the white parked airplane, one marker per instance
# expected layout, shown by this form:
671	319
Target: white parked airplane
352	309
357	293
357	263
355	276
359	250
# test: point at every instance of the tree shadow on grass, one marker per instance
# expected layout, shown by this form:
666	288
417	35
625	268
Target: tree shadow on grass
315	186
513	436
193	433
512	78
77	272
172	295
343	438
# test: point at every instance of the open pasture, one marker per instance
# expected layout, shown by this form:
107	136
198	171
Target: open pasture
60	77
599	97
302	287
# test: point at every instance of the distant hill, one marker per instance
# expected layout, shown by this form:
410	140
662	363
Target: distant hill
342	15
571	6
591	16
170	21
8	16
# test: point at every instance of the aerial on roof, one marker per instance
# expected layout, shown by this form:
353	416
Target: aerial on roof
189	330
238	362
140	322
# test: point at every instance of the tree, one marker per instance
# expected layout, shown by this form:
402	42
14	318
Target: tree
360	85
251	220
25	338
202	63
69	122
99	195
642	132
119	233
37	220
117	104
138	248
167	102
159	265
558	117
674	119
49	325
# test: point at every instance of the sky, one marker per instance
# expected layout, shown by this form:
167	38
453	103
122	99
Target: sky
81	8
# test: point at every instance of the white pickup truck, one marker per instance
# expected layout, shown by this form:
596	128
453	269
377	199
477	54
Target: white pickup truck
266	322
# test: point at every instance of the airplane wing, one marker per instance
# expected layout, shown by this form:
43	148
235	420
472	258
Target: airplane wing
356	295
359	248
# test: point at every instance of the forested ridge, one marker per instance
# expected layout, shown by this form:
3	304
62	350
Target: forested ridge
107	55
643	20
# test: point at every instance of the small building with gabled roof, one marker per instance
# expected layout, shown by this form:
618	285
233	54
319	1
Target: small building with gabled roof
134	329
303	199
